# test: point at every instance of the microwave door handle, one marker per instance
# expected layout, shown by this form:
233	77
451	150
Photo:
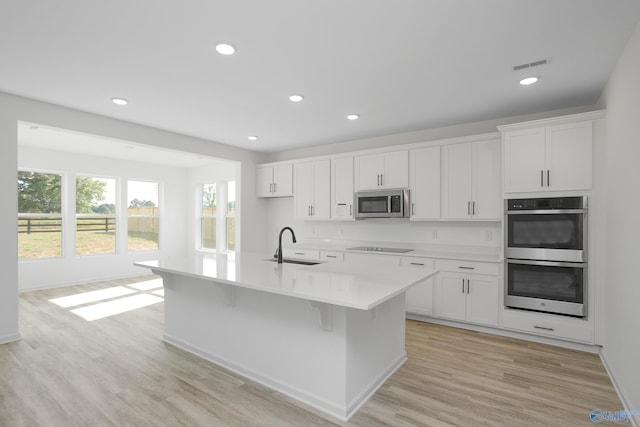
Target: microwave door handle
388	204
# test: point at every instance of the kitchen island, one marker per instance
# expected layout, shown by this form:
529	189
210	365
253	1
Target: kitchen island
328	334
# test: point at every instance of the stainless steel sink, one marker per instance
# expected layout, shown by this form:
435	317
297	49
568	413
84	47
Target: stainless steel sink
294	261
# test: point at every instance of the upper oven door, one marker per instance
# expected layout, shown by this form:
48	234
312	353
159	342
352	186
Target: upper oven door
557	235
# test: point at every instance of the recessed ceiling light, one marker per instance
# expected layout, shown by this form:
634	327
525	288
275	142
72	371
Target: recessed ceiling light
119	101
225	49
528	81
253	138
353	116
296	98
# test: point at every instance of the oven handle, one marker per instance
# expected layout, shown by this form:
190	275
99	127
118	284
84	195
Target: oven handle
548	263
547	212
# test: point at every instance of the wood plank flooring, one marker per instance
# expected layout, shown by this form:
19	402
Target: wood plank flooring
117	371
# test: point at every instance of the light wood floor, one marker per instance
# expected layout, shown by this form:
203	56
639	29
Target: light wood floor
117	371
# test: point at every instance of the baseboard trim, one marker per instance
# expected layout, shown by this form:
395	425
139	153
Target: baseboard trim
10	338
635	420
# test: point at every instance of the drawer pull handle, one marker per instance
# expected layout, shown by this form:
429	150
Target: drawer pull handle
466	268
417	263
331	256
299	253
543	328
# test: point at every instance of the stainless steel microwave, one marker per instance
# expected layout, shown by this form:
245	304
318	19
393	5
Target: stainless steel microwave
382	204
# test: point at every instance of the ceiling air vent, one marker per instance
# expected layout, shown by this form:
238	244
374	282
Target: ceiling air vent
530	65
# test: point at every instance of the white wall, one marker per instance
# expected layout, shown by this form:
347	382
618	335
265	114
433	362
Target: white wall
15	108
622	288
70	268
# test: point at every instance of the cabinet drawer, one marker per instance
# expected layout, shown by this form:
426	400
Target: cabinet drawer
301	253
417	262
547	325
468	266
331	256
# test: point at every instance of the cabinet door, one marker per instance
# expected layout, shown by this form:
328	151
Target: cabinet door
449	295
424	183
321	203
487	179
396	170
569	156
264	181
456	181
368	170
524	160
419	299
303	197
283	180
342	188
483	299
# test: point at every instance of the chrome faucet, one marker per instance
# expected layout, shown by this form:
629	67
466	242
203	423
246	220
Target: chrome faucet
293	235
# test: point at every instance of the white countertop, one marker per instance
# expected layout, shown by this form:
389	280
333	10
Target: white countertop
355	285
457	252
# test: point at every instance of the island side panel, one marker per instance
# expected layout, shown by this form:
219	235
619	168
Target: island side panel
375	348
276	340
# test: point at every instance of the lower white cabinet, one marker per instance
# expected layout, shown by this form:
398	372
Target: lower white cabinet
310	254
331	256
467	297
419	299
548	325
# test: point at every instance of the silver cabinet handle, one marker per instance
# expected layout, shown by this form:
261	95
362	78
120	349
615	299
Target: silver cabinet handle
462	267
541	178
417	263
299	253
468	208
473	208
381	179
350	210
468	285
275	187
463	286
543	328
330	256
312	213
270	188
548	180
412	208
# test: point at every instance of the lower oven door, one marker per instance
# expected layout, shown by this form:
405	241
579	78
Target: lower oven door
554	287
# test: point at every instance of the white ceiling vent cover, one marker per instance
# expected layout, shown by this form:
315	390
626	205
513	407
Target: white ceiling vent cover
530	65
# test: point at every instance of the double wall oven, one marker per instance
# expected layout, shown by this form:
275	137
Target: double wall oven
546	255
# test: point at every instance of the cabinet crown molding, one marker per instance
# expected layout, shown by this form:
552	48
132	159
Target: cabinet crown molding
552	121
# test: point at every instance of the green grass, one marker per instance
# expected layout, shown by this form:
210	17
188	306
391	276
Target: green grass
48	245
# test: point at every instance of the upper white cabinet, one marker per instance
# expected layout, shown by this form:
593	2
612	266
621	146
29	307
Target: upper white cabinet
548	158
383	170
274	180
342	188
471	176
424	183
312	196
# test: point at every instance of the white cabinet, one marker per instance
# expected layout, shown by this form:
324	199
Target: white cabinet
329	256
471	177
463	296
548	325
552	158
274	180
384	170
424	183
419	298
312	190
296	253
342	188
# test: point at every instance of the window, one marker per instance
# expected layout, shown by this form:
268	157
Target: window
143	216
95	215
208	217
39	215
231	216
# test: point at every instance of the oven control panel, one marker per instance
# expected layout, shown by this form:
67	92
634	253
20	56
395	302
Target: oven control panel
547	203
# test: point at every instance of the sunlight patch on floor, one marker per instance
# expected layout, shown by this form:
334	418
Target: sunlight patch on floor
117	306
146	285
92	296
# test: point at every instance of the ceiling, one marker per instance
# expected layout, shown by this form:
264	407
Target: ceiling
402	65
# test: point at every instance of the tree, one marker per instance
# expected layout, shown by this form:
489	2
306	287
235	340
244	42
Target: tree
209	196
39	192
137	203
89	192
104	209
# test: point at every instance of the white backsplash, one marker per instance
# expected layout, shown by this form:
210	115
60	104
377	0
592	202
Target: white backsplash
465	233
